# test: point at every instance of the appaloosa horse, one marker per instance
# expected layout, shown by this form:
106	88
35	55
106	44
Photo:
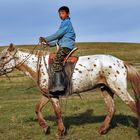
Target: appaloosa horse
89	71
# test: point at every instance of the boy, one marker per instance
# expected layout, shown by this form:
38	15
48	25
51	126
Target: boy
65	37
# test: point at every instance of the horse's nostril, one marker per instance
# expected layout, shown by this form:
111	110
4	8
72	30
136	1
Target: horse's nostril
3	70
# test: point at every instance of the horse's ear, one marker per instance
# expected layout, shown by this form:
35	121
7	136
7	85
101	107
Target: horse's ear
11	47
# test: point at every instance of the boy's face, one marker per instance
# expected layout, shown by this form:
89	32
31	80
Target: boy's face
63	14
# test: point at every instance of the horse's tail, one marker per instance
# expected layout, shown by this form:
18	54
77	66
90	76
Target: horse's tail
134	78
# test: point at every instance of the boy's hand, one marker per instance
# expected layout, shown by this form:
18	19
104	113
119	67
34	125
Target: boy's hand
42	40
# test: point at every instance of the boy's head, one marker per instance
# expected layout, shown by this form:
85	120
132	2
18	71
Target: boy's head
64	12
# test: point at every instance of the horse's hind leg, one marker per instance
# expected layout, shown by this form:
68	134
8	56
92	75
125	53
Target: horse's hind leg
120	89
108	98
127	99
43	101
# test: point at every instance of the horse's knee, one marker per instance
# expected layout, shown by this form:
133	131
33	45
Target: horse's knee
43	101
111	112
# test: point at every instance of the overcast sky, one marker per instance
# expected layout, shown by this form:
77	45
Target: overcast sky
24	21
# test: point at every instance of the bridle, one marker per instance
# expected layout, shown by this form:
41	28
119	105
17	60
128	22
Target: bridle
3	64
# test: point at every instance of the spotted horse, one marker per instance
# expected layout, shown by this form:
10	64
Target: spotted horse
89	71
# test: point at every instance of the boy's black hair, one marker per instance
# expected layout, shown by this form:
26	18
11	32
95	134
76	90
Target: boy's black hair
64	8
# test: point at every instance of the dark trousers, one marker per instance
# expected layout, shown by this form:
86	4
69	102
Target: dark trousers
58	60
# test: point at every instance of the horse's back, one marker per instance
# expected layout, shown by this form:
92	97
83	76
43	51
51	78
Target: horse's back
99	57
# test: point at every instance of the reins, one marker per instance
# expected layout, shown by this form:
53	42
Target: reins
27	57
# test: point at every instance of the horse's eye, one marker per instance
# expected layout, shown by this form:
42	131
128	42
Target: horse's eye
3	57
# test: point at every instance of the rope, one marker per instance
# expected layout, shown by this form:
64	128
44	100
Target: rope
28	56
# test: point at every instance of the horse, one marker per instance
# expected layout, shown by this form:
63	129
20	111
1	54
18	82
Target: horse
89	71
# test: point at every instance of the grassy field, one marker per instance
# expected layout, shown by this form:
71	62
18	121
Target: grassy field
81	117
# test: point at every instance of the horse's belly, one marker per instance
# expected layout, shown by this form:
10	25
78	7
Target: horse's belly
81	84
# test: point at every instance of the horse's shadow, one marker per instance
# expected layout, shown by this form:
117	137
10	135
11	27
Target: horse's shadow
87	117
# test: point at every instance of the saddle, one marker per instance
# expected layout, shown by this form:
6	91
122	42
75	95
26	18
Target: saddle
69	65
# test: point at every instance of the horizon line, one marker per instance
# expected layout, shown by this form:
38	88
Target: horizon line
79	42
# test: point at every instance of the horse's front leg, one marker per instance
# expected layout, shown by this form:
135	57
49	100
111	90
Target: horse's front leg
42	102
57	110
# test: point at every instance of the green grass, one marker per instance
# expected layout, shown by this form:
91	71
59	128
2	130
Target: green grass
82	118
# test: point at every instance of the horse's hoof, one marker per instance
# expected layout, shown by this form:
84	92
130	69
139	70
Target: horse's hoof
60	134
57	136
46	130
102	130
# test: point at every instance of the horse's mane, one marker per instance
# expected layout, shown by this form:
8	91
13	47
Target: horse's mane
34	51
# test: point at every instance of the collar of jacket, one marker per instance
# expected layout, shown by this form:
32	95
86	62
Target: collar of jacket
66	18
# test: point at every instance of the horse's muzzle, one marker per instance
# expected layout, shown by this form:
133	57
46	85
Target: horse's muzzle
4	71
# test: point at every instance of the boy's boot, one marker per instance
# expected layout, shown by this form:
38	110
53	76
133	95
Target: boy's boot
58	82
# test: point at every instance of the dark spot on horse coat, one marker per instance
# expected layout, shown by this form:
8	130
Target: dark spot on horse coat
110	66
94	65
43	73
80	71
118	72
88	58
117	61
76	69
80	65
44	80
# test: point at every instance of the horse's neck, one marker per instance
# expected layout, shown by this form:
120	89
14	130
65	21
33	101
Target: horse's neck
30	66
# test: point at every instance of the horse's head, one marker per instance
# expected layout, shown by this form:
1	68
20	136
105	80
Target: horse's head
7	60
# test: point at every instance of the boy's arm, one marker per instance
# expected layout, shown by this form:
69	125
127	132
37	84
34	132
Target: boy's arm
52	44
59	33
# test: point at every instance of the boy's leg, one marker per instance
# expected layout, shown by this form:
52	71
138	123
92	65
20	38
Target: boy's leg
57	66
59	59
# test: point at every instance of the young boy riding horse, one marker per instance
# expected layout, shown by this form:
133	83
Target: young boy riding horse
65	37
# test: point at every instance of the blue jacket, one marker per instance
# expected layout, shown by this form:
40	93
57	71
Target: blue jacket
65	36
